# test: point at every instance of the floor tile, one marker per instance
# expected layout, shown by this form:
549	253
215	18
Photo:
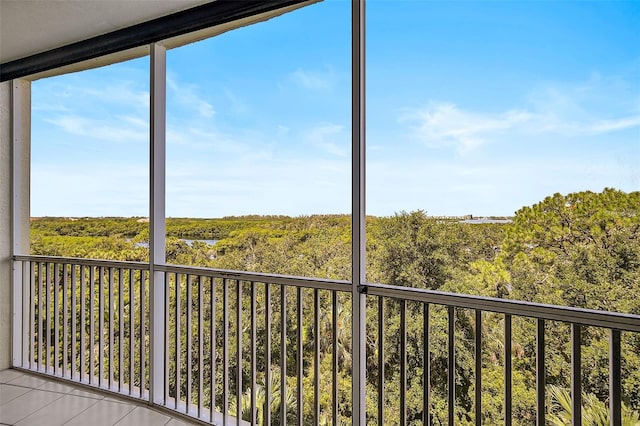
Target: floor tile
86	394
28	381
9	392
8	375
142	416
177	422
103	413
26	404
58	412
31	400
56	387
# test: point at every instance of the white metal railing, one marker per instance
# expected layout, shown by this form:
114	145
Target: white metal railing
270	349
86	321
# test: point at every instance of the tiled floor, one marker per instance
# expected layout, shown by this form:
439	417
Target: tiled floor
30	400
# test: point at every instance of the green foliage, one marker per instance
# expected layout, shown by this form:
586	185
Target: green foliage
594	411
580	249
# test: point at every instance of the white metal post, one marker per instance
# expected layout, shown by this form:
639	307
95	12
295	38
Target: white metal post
157	223
358	216
20	214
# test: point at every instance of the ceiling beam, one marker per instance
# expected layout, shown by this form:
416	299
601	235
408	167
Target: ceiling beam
216	13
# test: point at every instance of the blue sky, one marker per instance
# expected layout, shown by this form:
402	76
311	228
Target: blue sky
473	107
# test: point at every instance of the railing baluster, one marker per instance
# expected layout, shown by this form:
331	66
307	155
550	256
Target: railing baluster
189	345
426	354
143	351
200	346
213	355
507	370
27	295
132	304
403	362
92	325
299	355
254	359
478	353
120	328
40	339
239	350
167	335
334	361
381	360
74	317
56	318
83	321
110	327
576	375
41	287
267	353
316	356
32	316
615	387
225	352
47	311
101	326
541	374
451	366
283	355
177	342
65	319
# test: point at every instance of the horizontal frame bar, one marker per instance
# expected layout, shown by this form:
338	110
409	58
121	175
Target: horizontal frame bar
589	317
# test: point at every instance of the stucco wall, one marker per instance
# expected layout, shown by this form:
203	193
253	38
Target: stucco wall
5	225
22	202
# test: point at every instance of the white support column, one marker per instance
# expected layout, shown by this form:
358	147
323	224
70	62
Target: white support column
358	215
20	206
157	223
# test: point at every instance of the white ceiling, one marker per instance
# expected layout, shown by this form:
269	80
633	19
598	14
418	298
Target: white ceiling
33	26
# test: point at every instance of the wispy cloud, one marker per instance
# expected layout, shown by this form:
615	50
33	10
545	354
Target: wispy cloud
329	137
445	124
121	129
615	125
586	109
188	95
314	79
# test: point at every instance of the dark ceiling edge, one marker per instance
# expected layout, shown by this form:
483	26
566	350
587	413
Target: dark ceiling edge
197	18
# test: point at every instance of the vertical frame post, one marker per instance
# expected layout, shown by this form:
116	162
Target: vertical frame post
157	222
358	215
20	209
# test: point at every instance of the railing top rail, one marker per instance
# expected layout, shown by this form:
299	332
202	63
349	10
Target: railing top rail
85	262
320	283
588	317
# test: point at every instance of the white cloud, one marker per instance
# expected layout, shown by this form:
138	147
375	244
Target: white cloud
445	124
187	95
330	137
118	92
615	125
122	129
314	79
587	109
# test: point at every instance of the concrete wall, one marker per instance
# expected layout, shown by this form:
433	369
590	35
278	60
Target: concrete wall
5	224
